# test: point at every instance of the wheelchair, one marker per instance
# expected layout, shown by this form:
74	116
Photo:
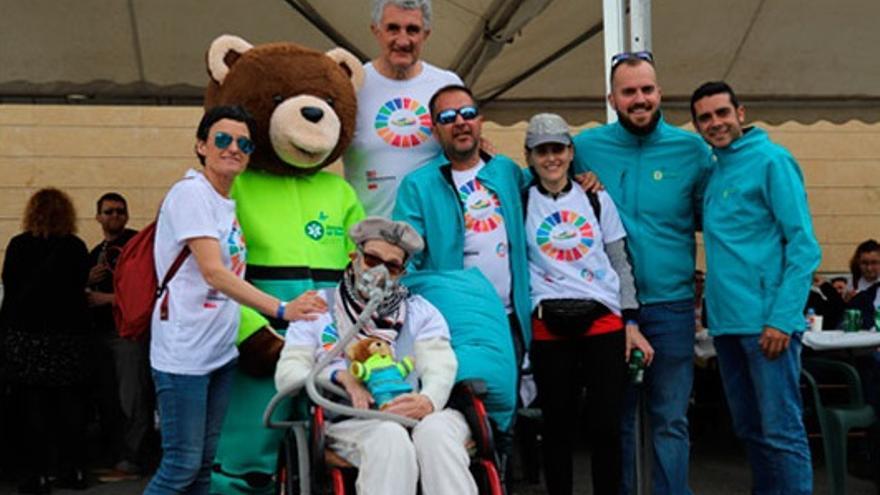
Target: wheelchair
306	465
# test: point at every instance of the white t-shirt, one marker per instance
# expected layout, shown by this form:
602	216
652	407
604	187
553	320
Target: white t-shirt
393	134
567	259
423	322
485	235
199	335
864	284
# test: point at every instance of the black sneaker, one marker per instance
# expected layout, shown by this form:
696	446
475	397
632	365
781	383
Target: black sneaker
37	485
75	480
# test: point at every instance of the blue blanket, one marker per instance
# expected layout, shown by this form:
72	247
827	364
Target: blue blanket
480	333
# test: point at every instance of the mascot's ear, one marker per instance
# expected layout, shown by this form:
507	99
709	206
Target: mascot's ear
224	52
350	64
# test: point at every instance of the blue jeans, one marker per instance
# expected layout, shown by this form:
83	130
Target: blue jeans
191	411
765	404
669	327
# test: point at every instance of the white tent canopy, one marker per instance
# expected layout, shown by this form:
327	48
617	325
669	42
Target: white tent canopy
801	60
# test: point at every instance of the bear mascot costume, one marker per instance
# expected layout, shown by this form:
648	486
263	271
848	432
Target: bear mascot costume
294	217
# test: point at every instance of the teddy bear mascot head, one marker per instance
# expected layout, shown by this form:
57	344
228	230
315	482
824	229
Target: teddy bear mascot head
303	100
293	214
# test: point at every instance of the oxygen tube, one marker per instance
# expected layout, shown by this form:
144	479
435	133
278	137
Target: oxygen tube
377	284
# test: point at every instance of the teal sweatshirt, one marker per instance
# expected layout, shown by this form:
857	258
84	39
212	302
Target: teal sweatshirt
760	248
427	200
656	182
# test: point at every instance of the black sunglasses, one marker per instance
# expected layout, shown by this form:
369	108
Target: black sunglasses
371	260
624	56
222	140
469	112
118	211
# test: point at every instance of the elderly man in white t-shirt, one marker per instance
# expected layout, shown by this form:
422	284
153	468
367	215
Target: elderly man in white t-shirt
394	131
391	459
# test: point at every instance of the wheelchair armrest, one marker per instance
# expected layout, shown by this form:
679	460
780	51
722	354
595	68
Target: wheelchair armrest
466	398
839	370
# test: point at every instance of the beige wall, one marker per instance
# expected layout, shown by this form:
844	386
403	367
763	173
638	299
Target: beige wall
140	151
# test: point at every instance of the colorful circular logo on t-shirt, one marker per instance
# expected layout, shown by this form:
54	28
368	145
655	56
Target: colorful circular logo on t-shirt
482	208
403	123
329	336
237	250
565	236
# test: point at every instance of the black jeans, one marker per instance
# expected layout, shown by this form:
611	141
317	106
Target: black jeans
53	416
561	368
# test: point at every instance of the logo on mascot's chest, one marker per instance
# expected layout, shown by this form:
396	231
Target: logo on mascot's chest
320	228
403	123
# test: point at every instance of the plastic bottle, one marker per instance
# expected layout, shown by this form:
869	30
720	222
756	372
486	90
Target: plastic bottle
877	318
637	366
811	316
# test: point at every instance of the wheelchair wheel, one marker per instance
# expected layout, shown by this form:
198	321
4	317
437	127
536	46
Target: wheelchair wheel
287	471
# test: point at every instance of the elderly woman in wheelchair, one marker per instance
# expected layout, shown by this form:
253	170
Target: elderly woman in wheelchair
391	457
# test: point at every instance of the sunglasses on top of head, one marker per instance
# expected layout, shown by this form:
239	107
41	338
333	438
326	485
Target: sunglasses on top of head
469	112
222	140
624	56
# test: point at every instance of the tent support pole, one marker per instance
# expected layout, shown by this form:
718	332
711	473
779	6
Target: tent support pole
613	15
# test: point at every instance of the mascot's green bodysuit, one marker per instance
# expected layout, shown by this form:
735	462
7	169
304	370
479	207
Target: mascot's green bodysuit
294	217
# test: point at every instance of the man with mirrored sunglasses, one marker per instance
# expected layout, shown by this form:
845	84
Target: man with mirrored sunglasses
393	130
655	173
468	207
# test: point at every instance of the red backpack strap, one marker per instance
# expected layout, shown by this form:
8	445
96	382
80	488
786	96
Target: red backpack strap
178	262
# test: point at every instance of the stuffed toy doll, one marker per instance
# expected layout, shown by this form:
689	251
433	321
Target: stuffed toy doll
372	362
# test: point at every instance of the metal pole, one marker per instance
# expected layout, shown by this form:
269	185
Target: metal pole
640	25
613	13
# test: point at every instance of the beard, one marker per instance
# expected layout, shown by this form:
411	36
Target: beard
636	129
461	154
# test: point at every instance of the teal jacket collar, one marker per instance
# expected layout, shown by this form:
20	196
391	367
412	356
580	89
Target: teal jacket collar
751	135
625	136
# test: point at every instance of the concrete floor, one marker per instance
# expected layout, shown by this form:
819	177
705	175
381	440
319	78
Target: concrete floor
716	469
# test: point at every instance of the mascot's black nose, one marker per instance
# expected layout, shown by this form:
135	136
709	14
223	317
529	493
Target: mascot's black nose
312	114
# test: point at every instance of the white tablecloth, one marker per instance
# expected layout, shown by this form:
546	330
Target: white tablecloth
838	339
818	341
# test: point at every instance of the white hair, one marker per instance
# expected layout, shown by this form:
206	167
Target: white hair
423	5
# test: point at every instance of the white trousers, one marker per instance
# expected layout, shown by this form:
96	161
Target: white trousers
392	463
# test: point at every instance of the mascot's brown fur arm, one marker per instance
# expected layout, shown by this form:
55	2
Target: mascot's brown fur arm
259	353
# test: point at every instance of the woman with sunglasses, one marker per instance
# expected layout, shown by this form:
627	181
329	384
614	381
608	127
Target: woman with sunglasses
585	319
192	347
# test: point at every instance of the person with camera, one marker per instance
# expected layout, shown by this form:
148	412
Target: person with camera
585	311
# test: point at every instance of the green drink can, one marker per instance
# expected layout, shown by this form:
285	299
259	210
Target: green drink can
852	320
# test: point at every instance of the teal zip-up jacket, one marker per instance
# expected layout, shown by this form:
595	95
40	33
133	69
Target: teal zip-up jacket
760	248
428	200
656	182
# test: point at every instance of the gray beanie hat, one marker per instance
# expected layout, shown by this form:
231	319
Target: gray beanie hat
400	234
